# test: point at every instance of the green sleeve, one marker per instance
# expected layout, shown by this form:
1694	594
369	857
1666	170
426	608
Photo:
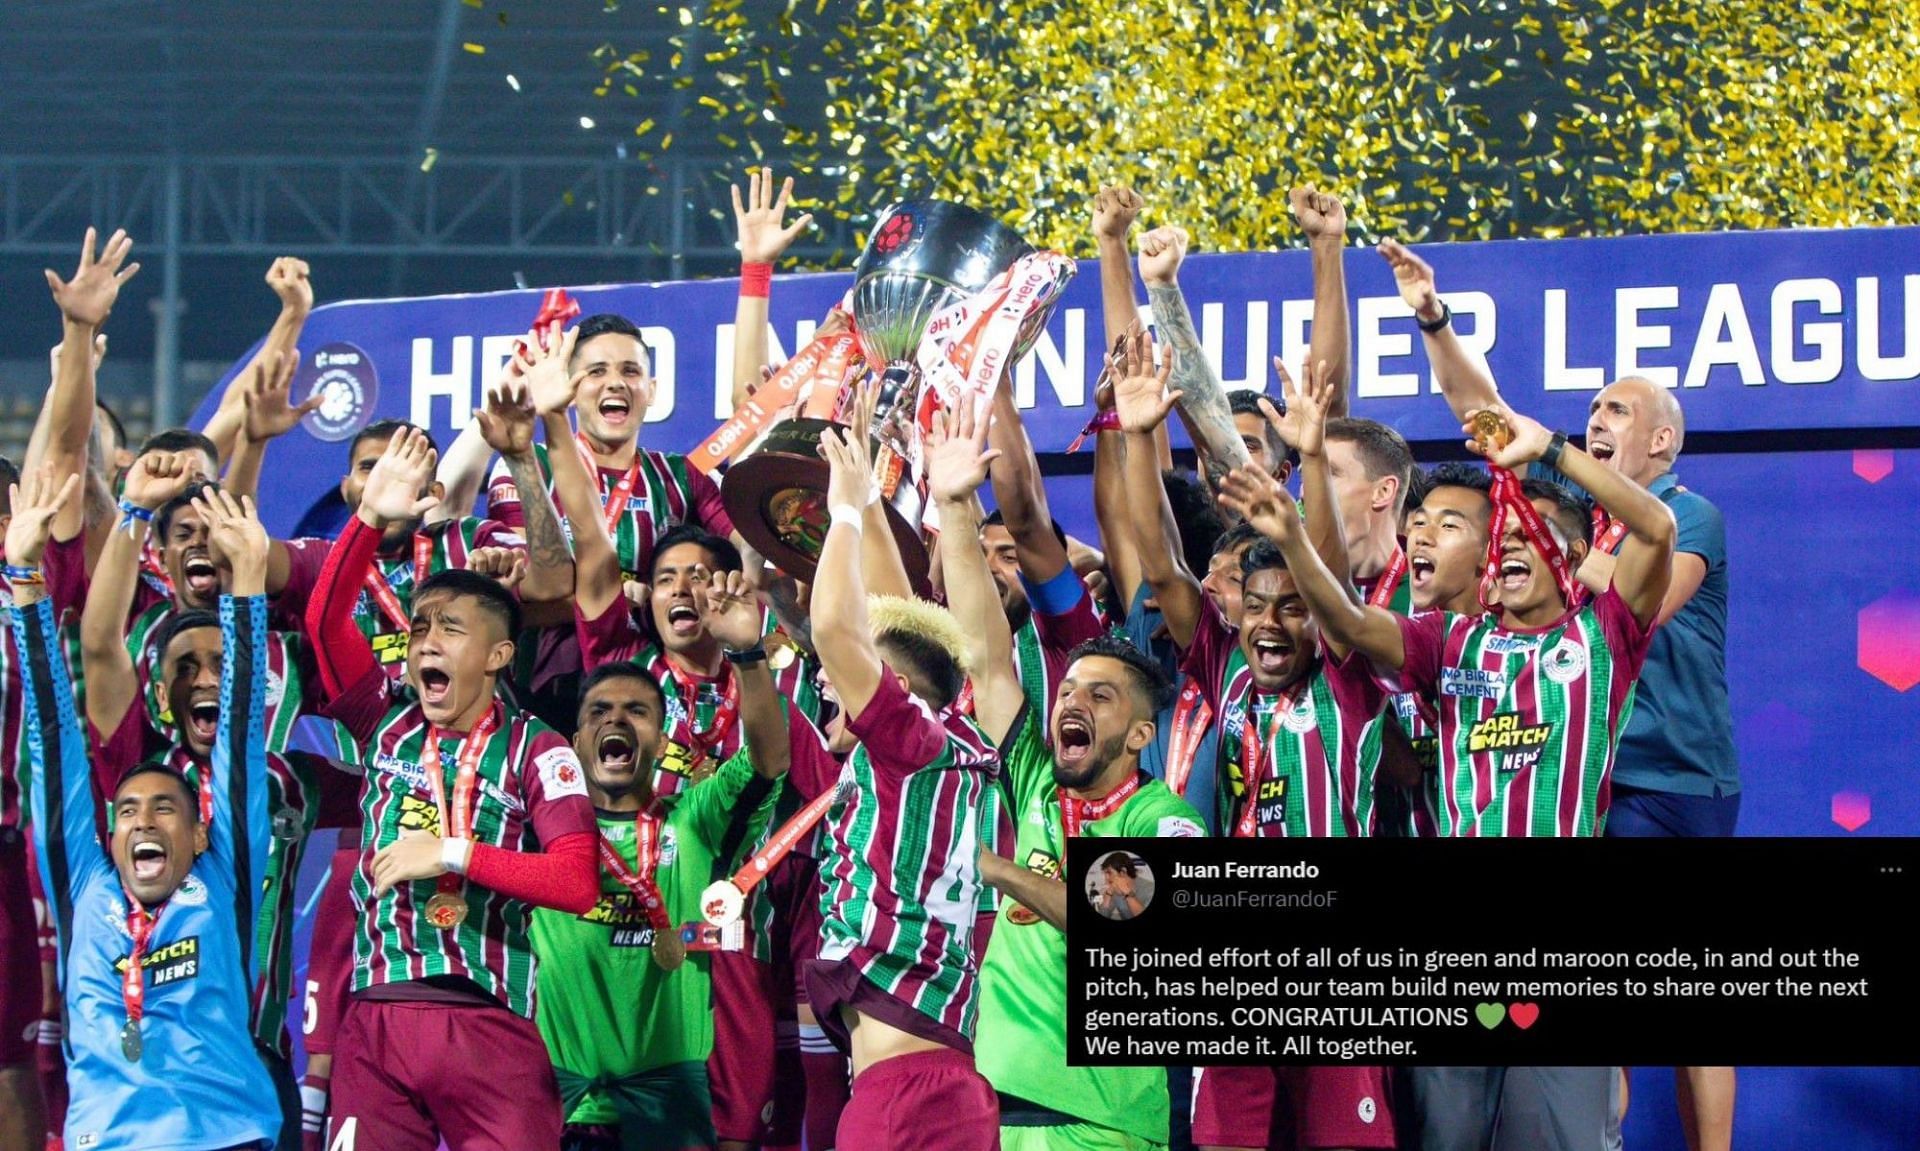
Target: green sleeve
1025	760
710	803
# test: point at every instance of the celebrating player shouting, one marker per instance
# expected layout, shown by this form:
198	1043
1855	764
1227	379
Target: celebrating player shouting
460	792
156	934
895	981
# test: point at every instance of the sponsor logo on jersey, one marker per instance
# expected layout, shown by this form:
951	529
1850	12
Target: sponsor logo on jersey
409	773
417	814
1043	863
619	910
1508	644
1472	682
560	772
1565	663
1272	802
170	964
500	796
1179	827
669	846
1518	747
276	688
390	647
1299	718
190	893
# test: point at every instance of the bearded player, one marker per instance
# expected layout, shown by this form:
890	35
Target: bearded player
474	814
895	983
156	932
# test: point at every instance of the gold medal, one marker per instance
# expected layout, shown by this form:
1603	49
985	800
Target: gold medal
722	903
130	1044
669	952
446	911
1490	428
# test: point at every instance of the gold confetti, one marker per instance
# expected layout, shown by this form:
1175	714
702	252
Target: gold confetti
430	159
476	49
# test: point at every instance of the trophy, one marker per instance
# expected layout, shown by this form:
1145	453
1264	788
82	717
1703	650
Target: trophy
923	258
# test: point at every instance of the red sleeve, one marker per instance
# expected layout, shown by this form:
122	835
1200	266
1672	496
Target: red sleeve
64	566
706	503
306	559
565	876
610	637
901	736
503	499
494	534
1625	635
1424	636
348	671
1205	660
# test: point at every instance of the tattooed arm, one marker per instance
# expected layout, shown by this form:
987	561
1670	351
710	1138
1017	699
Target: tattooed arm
1203	399
506	423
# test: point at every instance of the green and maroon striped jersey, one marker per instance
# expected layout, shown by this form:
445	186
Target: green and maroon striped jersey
531	790
64	568
1528	718
286	677
901	879
666	492
452	541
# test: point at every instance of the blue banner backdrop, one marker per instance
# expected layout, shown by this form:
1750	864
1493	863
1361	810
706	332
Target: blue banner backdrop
1777	334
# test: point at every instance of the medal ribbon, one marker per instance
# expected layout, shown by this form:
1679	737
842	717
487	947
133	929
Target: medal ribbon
133	987
1254	753
183	761
1077	813
1190	719
643	879
382	590
617	499
1509	497
1383	588
783	841
456	819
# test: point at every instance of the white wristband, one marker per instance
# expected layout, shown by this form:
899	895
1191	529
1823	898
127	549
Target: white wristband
846	514
454	854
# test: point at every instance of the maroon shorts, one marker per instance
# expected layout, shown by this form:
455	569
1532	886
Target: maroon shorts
740	1070
19	954
330	957
926	1101
795	886
1292	1108
407	1075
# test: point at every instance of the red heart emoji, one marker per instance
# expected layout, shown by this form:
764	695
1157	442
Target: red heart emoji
1523	1014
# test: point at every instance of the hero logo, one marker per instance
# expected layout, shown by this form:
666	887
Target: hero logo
344	379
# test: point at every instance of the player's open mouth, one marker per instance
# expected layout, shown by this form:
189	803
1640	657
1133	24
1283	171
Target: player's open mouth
616	751
1514	573
1421	568
615	409
203	579
149	860
434	685
682	619
1599	449
203	719
1073	737
1271	655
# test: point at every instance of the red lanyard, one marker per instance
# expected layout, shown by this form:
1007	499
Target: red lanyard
133	986
182	761
642	879
382	590
617	499
1253	752
1607	531
703	743
1077	813
1508	496
1384	587
1190	718
724	901
456	819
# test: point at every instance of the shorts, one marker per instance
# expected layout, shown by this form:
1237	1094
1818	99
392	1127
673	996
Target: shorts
794	887
740	1069
925	1101
1297	1108
407	1075
330	956
1513	1108
1073	1137
20	989
1639	814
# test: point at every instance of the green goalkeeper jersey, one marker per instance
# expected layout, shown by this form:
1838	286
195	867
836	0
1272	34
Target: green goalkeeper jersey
1021	1045
605	1009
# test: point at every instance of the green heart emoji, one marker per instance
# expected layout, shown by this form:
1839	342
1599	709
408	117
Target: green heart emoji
1490	1014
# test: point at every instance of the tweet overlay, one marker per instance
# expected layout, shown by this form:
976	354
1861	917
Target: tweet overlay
1490	951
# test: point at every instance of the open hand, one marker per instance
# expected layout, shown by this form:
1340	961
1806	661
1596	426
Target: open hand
398	489
957	456
89	296
763	236
35	502
270	412
506	422
1414	277
1258	498
1140	393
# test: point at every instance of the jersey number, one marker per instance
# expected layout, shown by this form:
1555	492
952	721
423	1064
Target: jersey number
344	1138
311	1017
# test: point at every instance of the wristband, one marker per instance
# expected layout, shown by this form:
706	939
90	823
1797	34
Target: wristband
19	574
846	514
454	854
130	511
755	654
1551	457
756	280
1446	318
1107	421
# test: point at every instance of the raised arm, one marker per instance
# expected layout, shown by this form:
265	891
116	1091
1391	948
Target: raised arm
1114	211
288	277
1021	495
106	665
763	237
1644	568
506	423
842	637
1464	383
881	565
732	614
270	413
241	825
1304	429
957	462
1141	396
1345	625
59	784
1324	219
1203	399
85	301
